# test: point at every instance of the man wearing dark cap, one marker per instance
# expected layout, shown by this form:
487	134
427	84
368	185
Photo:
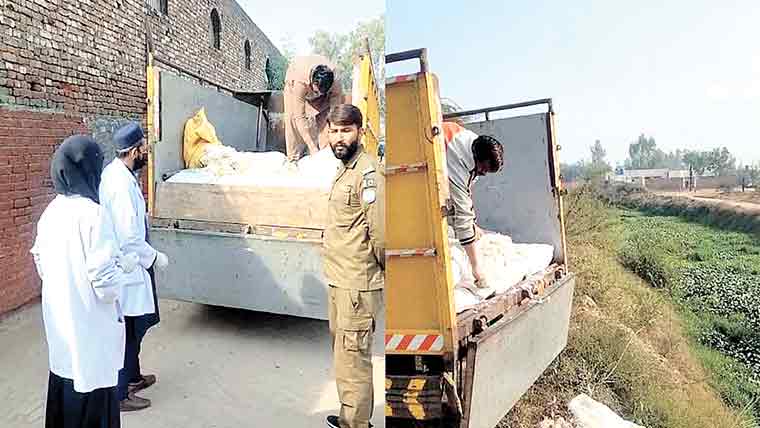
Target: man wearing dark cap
311	90
121	196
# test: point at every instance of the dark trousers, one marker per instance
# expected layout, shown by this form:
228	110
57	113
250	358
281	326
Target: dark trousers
132	344
135	327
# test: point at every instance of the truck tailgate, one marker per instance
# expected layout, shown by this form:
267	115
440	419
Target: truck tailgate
510	355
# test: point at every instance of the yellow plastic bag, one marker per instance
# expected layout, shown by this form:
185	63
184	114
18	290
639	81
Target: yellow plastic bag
199	133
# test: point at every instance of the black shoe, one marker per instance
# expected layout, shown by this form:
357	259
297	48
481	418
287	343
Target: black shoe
332	421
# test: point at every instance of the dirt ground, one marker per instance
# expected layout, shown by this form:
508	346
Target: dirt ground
749	199
216	368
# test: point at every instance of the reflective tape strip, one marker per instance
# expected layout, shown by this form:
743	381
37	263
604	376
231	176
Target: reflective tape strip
400	169
413	342
424	252
400	79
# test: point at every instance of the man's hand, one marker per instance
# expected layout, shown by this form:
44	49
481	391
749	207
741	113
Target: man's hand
478	233
480	277
477	271
162	260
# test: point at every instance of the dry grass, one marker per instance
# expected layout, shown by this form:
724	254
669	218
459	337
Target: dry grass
627	346
749	196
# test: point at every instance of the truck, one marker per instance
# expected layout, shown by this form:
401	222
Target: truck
242	246
467	369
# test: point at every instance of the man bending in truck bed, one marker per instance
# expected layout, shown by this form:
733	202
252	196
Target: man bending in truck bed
311	90
469	156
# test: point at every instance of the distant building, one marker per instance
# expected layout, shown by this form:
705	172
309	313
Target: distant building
666	179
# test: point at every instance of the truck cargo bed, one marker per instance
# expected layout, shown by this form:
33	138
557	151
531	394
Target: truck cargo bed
276	272
253	205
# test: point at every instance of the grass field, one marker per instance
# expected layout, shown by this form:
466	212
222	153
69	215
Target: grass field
632	346
713	275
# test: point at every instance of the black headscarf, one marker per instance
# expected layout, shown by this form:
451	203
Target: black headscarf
76	167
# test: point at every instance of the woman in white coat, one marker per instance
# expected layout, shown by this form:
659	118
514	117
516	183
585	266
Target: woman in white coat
82	274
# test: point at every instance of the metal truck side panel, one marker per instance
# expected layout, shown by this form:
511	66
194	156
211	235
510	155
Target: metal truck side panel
519	200
281	276
180	99
364	95
513	353
419	299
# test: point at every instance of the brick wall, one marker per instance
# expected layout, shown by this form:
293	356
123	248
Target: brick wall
79	66
27	141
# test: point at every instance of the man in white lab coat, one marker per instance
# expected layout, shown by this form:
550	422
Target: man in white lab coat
121	196
77	259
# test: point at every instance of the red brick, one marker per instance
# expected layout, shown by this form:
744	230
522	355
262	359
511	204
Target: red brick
22	219
21	203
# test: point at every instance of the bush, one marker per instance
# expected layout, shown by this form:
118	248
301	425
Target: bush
712	274
628	347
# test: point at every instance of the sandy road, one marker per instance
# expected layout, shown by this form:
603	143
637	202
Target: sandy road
216	367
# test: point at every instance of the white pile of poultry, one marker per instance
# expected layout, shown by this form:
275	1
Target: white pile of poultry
504	263
227	166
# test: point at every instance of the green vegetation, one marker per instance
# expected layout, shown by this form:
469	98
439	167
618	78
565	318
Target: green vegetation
714	277
341	48
630	347
718	214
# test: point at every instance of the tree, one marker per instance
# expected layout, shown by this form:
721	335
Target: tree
593	171
749	175
342	49
720	161
598	153
277	66
571	172
674	160
644	154
753	174
448	105
696	160
598	168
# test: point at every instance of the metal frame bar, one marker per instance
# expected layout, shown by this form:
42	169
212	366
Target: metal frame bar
420	54
191	73
488	110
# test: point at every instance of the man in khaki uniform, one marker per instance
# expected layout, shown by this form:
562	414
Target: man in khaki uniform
311	90
354	265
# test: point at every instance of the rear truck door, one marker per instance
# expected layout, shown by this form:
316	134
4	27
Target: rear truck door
365	96
420	340
508	341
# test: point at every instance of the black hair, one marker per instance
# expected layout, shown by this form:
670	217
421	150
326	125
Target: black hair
323	77
488	149
345	114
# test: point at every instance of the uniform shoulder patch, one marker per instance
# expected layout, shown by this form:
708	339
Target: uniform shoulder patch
369	195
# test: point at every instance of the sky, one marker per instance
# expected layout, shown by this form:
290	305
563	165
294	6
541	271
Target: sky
686	72
292	22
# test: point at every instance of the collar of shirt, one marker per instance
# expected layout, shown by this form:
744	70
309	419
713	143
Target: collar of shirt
351	164
124	169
